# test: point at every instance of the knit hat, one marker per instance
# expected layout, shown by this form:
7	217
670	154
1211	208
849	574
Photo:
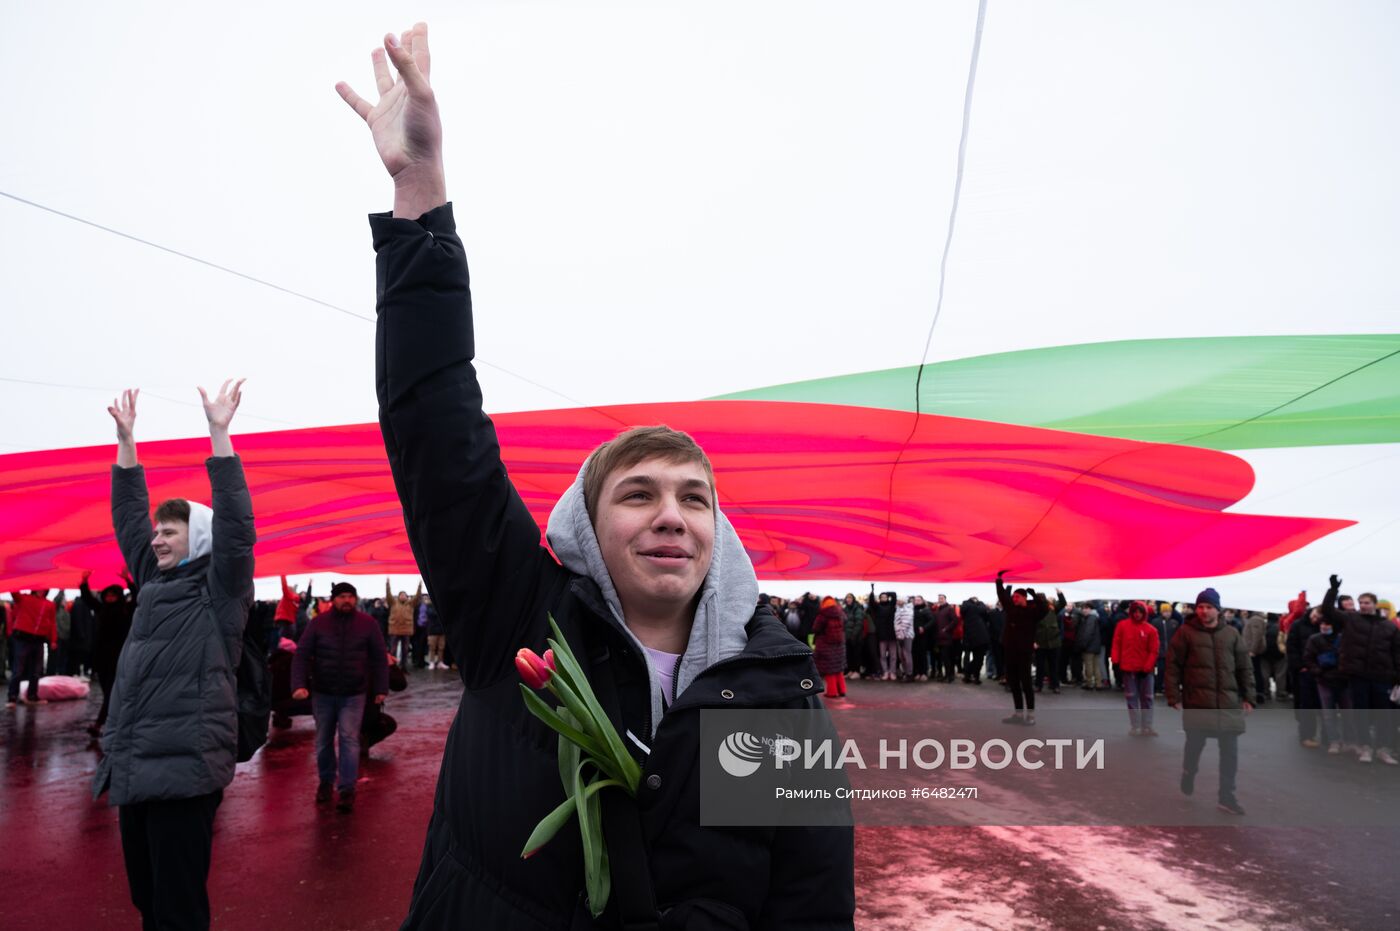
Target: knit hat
1211	597
828	602
343	588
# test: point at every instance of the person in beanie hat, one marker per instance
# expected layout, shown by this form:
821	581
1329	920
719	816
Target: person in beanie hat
1210	676
340	659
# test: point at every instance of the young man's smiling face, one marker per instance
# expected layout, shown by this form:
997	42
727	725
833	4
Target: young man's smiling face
171	543
656	527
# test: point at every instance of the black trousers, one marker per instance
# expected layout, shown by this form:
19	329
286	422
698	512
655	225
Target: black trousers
972	668
1018	676
1047	664
166	845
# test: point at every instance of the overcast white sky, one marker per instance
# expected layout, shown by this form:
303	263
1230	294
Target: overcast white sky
666	201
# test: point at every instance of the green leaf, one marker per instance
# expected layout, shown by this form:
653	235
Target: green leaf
549	716
564	658
596	881
593	787
569	756
598	896
582	713
549	826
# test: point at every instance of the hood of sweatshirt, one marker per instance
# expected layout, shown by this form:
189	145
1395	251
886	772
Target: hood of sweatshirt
201	532
728	595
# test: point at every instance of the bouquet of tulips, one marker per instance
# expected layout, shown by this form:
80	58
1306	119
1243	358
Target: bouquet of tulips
591	756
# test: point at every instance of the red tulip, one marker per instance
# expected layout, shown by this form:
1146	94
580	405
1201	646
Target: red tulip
549	660
533	670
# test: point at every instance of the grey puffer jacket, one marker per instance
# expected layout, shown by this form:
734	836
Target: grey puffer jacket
172	728
1208	669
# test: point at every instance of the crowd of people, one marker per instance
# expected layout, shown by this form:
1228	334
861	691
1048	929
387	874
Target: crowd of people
1335	662
643	575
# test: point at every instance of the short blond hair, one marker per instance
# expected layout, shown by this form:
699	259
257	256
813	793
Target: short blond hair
636	445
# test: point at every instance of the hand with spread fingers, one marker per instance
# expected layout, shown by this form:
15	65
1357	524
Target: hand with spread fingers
405	124
123	411
219	413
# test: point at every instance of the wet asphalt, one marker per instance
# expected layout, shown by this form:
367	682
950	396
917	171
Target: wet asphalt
281	862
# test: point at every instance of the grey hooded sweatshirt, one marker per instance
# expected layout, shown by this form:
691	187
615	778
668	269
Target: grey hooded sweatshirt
727	597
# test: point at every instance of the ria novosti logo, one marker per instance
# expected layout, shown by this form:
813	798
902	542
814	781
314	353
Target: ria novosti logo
741	753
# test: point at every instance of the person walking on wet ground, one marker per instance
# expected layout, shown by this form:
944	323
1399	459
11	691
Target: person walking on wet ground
170	741
32	624
1210	677
1135	647
340	656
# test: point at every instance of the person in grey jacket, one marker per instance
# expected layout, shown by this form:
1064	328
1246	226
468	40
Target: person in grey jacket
171	734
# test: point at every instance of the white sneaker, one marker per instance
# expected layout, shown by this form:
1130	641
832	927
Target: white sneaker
1386	757
1334	748
1364	756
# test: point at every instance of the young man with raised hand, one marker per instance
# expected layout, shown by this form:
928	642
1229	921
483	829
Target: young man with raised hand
655	595
170	740
1369	658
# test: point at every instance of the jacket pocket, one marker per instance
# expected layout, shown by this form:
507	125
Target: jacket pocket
703	915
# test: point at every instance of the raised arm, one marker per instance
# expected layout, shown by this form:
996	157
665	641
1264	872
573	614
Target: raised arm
85	591
231	562
1329	604
123	411
131	505
476	544
1003	595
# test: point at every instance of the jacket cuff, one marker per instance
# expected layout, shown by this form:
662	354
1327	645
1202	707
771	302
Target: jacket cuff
386	227
224	468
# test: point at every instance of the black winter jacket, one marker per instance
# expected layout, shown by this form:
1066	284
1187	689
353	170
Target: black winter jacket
172	728
341	655
882	618
1086	634
1018	629
1296	641
1321	657
974	618
478	548
1370	643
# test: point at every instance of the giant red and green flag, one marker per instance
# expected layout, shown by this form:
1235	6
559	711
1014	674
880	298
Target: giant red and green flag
1102	297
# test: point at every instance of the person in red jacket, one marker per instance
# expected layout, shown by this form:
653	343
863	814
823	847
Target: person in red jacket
1135	653
285	617
32	621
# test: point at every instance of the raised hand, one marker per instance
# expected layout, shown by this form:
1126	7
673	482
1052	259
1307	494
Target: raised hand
405	124
123	411
220	411
1336	582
